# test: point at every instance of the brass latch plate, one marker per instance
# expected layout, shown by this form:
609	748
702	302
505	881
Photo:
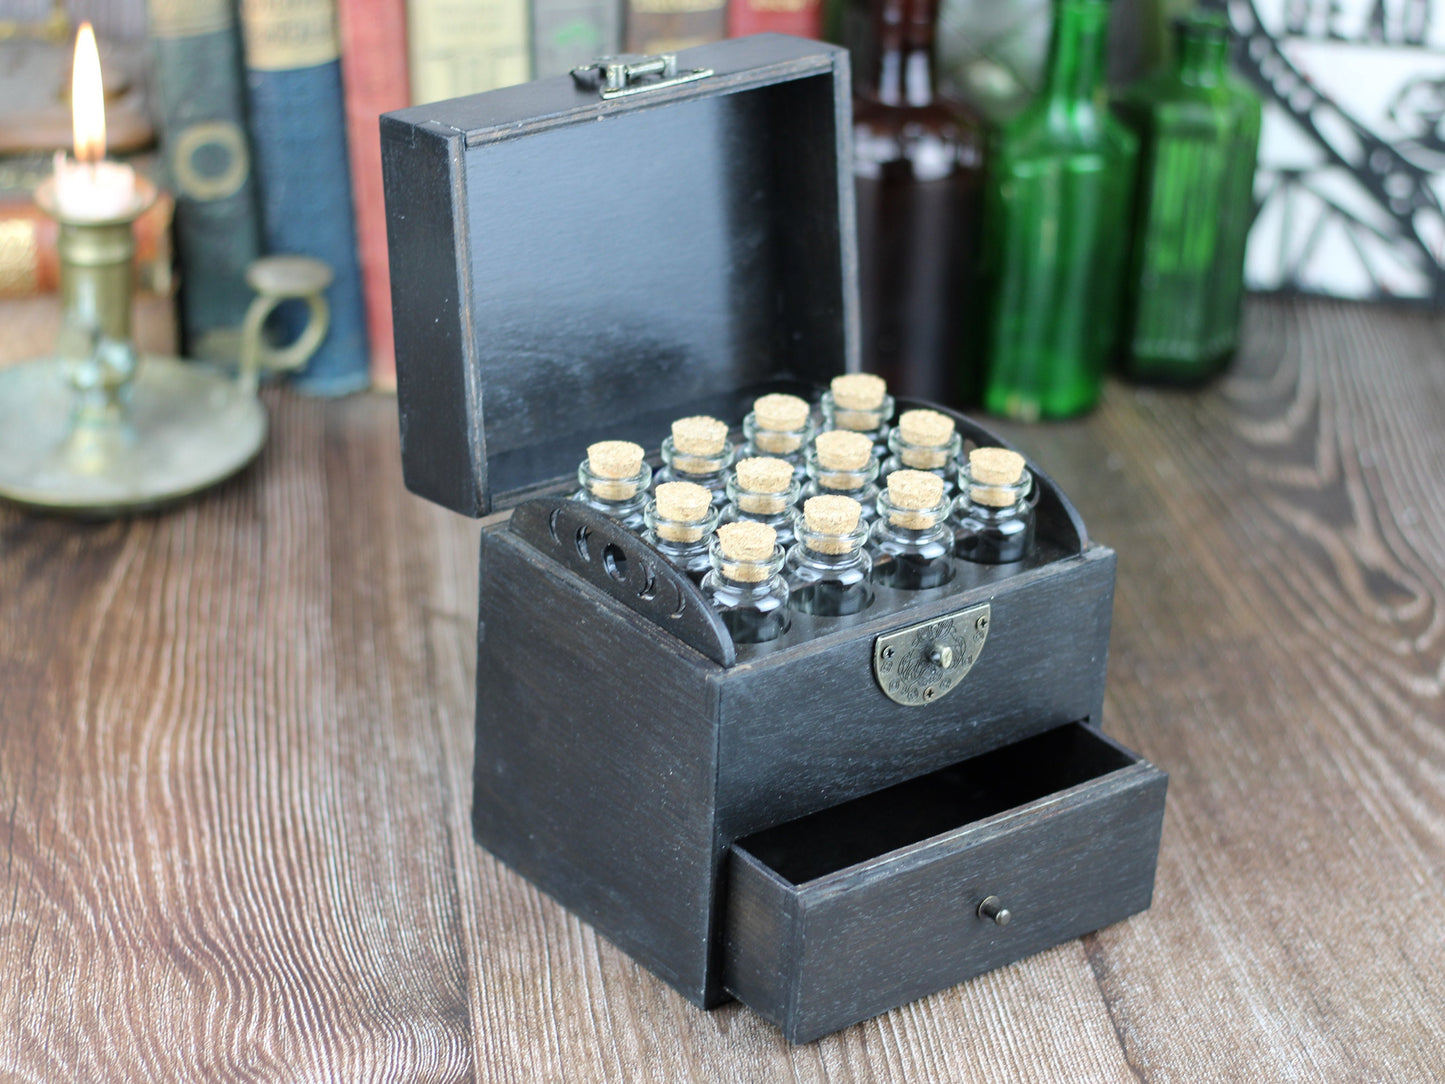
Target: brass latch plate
923	663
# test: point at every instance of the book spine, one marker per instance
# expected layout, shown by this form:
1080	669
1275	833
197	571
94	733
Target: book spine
30	261
569	33
801	17
200	101
665	26
463	48
298	129
375	81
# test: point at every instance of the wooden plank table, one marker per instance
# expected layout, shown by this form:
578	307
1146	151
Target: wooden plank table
235	756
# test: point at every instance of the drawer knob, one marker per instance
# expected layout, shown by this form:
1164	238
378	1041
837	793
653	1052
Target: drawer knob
992	908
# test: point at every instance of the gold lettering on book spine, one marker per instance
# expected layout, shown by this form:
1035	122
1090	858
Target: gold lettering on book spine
674	7
285	34
19	255
189	18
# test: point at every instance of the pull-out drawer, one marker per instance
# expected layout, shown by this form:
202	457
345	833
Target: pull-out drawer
854	910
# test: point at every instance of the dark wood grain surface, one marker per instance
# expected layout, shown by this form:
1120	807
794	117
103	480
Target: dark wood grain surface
235	759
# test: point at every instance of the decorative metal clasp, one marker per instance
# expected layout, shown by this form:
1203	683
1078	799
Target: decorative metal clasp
923	663
633	73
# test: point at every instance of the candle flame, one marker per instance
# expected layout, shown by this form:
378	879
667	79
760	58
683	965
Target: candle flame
87	99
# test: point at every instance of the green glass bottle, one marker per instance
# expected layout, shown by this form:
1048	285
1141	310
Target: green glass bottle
1056	230
1198	129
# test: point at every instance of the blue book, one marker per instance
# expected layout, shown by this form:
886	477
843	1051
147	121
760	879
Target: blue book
298	130
201	103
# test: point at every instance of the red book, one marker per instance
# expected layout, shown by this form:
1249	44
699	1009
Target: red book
801	17
30	261
374	80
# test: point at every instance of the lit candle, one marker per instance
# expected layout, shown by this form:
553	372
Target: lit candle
88	188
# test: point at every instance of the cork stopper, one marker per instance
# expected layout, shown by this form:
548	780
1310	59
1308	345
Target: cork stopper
843	450
764	484
745	545
617	462
914	494
831	517
993	471
778	419
685	506
926	428
930	432
858	391
699	435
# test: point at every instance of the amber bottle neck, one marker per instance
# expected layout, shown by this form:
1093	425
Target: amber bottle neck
905	30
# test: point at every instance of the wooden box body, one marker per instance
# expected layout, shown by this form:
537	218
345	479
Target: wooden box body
755	821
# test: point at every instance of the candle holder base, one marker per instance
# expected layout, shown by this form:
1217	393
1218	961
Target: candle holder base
187	427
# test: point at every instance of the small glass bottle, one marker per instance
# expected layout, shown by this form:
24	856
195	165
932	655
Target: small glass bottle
1198	129
912	540
994	521
841	463
860	402
680	520
924	440
698	451
780	426
918	169
827	569
614	480
764	490
745	583
1056	230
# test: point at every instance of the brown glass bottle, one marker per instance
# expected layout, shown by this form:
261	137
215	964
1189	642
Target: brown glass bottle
918	164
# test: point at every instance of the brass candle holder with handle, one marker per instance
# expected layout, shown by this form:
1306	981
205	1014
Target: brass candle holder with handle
100	431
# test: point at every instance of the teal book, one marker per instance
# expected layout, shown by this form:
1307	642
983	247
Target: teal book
298	131
200	101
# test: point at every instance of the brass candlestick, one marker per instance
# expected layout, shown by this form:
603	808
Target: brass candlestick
98	431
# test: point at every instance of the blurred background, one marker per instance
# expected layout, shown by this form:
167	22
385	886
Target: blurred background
258	118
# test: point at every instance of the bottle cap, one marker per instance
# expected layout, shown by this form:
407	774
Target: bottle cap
778	419
619	460
744	546
914	494
764	482
858	391
843	450
992	471
995	466
614	458
783	413
832	517
699	435
930	432
684	505
926	428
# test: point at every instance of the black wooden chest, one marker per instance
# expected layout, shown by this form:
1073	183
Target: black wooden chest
759	821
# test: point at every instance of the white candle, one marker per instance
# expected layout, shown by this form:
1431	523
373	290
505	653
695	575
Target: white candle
88	188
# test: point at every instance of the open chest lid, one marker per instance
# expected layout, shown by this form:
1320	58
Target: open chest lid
568	267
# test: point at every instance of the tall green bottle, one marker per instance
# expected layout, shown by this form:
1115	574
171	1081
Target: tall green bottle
1198	128
1056	230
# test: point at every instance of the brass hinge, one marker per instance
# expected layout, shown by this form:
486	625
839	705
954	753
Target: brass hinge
616	76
